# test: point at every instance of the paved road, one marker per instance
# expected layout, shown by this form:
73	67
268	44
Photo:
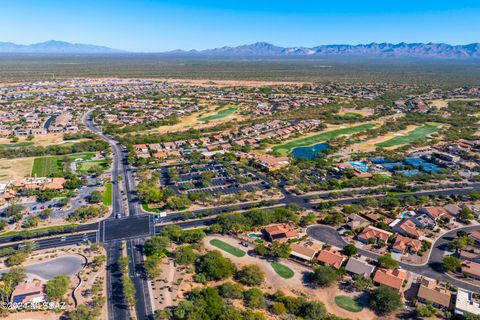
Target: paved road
432	269
129	225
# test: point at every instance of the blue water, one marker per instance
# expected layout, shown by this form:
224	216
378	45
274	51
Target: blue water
310	152
253	235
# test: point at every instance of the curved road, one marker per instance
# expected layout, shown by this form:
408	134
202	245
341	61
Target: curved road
432	269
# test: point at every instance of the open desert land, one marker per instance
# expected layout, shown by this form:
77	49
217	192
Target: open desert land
443	103
312	138
41	140
230	83
15	168
365	112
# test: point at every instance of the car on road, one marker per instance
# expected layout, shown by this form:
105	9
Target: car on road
63	239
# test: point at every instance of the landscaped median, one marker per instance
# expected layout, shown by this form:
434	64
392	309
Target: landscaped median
39	232
107	194
227	248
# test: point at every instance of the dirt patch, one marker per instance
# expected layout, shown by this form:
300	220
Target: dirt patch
15	168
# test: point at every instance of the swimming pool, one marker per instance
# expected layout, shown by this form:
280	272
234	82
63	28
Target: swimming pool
254	235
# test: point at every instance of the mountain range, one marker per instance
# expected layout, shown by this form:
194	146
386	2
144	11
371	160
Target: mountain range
263	49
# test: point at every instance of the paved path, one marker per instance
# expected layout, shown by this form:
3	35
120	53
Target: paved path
432	269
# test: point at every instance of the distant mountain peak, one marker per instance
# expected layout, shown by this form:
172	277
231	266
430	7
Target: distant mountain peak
55	47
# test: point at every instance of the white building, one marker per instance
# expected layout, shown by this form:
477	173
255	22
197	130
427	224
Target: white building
467	301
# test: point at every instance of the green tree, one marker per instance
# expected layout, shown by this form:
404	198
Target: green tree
278	308
46	213
361	282
426	311
313	310
250	275
451	263
152	266
231	290
84	312
385	300
185	255
214	266
95	197
156	245
16	259
324	276
280	250
14	276
129	290
350	250
261	250
57	287
3	224
386	261
254	298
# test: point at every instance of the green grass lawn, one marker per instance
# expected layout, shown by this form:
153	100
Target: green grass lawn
107	194
282	270
86	165
43	229
219	115
348	303
285	148
228	248
46	166
417	134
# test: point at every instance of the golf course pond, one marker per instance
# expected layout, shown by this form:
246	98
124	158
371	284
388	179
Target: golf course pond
310	152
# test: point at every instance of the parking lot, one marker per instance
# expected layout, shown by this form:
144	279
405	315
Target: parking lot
214	178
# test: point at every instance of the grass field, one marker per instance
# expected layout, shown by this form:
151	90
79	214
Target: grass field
227	248
42	140
348	303
17	145
45	166
85	166
282	270
284	149
107	195
417	134
219	115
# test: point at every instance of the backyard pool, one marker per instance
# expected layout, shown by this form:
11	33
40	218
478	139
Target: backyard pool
310	152
254	235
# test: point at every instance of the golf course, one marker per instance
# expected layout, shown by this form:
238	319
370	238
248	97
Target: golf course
418	134
219	115
285	148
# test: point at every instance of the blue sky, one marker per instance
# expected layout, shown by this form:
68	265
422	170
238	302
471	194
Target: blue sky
152	26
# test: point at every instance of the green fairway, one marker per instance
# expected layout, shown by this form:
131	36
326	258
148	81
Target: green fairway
284	149
417	134
282	270
85	166
107	195
219	115
348	303
228	248
47	166
44	167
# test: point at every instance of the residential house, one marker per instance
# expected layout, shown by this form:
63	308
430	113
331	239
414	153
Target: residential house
391	278
452	209
28	292
404	244
373	234
141	148
355	221
471	269
470	255
435	212
331	257
475	235
302	252
423	221
357	266
409	228
279	232
467	302
429	291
